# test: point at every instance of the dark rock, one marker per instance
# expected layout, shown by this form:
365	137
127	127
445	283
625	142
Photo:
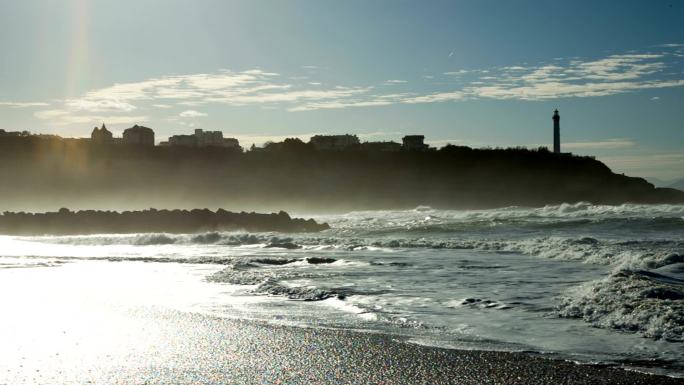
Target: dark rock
320	260
154	221
284	245
275	261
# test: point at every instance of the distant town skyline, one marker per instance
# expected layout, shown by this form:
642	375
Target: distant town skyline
486	73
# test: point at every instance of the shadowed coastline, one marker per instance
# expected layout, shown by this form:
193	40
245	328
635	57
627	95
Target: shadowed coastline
65	222
48	173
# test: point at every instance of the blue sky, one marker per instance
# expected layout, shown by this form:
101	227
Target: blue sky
479	73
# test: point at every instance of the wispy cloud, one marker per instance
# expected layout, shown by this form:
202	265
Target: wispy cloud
435	98
226	87
601	144
339	104
564	78
65	117
192	114
456	73
576	78
99	105
290	96
23	104
193	87
359	99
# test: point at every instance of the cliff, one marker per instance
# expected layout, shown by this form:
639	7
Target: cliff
48	174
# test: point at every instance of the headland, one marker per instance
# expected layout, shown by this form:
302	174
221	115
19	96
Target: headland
329	173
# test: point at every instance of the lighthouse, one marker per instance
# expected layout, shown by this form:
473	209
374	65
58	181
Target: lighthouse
556	132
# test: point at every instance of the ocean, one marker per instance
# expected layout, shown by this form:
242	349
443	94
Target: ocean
580	282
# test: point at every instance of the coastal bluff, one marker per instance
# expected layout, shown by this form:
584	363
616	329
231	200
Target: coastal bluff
66	222
46	174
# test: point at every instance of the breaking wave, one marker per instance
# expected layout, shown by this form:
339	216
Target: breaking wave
248	271
578	215
151	239
428	223
647	253
644	302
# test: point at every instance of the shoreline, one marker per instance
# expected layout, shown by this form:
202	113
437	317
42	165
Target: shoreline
208	349
372	350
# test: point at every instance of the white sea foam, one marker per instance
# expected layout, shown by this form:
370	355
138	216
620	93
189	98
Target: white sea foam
348	307
632	301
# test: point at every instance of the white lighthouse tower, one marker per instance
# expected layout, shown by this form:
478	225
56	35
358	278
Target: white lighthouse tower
556	133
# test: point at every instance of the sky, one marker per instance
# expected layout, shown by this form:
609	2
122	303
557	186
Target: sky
477	73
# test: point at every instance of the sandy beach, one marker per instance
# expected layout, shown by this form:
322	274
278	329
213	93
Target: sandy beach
135	323
199	349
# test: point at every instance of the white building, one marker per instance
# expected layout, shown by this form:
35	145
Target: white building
203	138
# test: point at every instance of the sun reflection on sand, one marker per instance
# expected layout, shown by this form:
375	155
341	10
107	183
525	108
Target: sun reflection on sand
78	318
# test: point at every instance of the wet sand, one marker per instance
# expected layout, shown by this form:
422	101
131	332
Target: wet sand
182	348
255	353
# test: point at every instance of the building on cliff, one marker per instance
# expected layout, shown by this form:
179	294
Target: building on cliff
138	135
214	139
556	133
381	146
4	133
180	140
334	142
101	135
203	138
414	143
208	138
